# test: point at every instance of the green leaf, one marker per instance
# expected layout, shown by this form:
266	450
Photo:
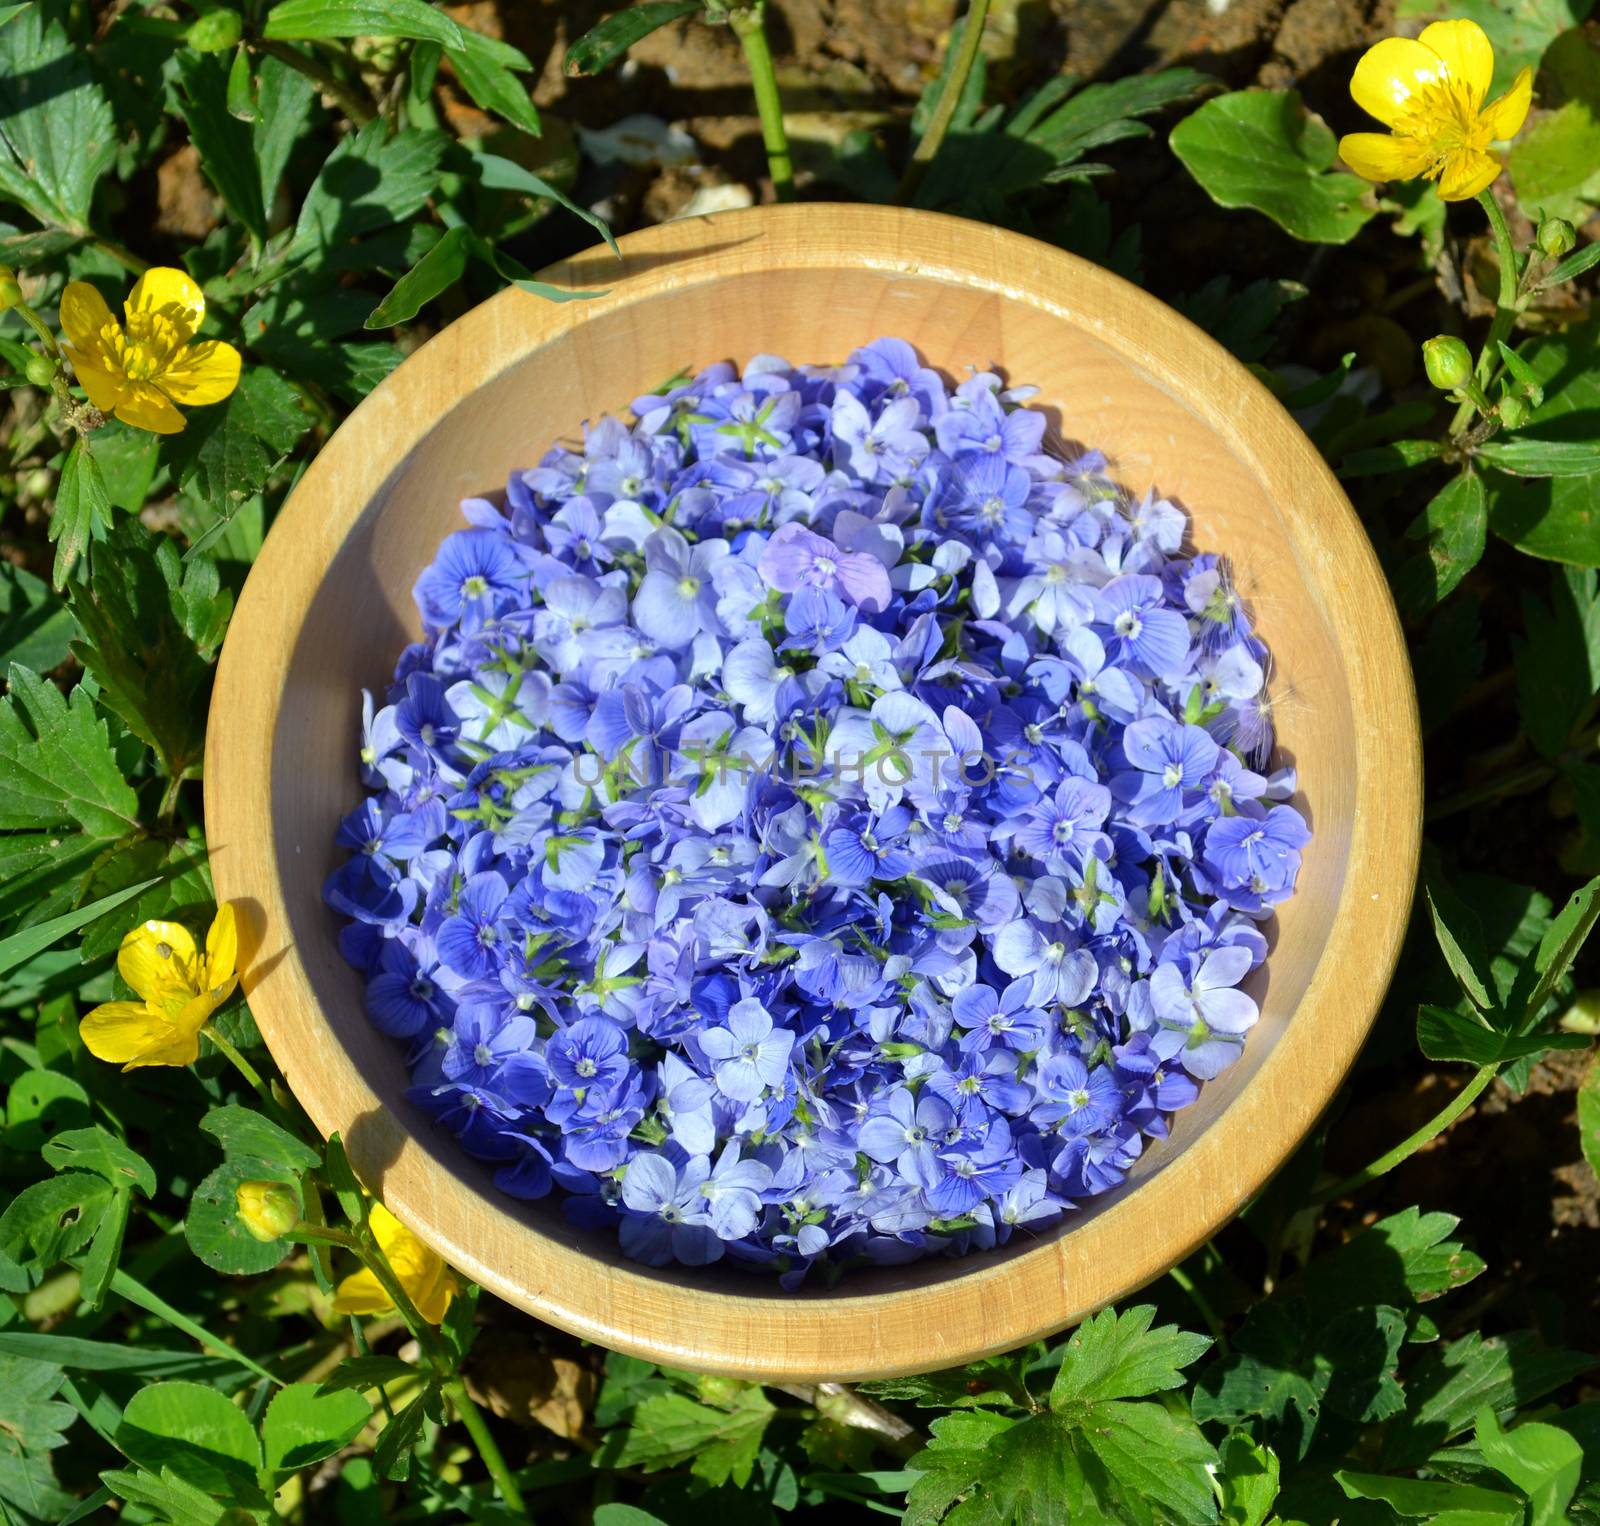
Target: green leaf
33	1423
296	20
1247	1481
1465	1504
169	1497
1575	264
616	1514
1407	1257
129	610
35	627
1102	114
953	1464
225	144
1118	1356
22	946
1555	162
438	270
303	1425
1520	30
228	452
518	274
1155	1457
496	173
1563	941
1557	518
1526	378
398	1439
39	1104
1262	149
1589	1117
1396	456
46	1223
1557	660
485	68
1446	1035
99	1263
127	458
57	136
719	1444
103	1356
603	45
358	1372
1542	1461
202	1437
1453	1382
1455	526
243	1131
993	1380
99	1150
240	96
284	103
1542	458
82	511
213	1228
1460	938
1244	320
370	181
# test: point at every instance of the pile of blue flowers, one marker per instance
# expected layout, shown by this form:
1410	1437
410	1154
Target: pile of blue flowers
820	826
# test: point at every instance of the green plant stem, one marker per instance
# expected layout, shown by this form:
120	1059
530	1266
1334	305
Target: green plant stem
1509	303
1409	1146
944	109
488	1448
349	101
242	1065
1203	1305
749	27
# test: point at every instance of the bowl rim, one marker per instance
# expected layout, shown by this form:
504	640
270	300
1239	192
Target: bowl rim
1001	1302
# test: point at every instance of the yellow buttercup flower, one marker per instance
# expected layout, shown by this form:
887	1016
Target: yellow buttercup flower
178	986
420	1271
1429	93
141	367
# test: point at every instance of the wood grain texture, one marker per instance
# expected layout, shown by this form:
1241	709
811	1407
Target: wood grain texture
328	607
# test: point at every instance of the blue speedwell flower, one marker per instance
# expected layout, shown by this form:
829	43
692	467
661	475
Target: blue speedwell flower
818	826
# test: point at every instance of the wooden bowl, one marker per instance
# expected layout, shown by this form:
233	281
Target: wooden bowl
328	608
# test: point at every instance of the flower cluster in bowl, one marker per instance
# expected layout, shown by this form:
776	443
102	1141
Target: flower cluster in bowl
820	826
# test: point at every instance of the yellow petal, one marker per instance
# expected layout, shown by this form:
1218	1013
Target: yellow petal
195	1013
106	388
118	1031
83	314
433	1300
181	1046
222	946
172	293
201	373
1398	79
1504	117
361	1293
158	960
1466	173
147	407
1382	156
1467	51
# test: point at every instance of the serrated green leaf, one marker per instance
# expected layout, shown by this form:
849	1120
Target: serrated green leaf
603	45
1118	1356
303	1425
170	1498
35	626
213	1228
298	20
1157	1458
33	1423
241	1131
193	1431
1247	1481
1407	1257
1261	149
486	69
57	135
225	144
82	511
438	270
719	1444
370	181
99	1150
1555	162
227	453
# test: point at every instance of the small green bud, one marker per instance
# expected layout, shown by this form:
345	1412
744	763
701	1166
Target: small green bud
40	370
1513	412
1447	361
1557	237
215	31
269	1210
10	291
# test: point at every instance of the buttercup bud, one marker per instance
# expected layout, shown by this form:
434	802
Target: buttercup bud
269	1210
1513	412
1557	237
40	370
1447	361
215	31
10	292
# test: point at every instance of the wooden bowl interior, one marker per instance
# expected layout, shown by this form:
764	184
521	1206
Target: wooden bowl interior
329	609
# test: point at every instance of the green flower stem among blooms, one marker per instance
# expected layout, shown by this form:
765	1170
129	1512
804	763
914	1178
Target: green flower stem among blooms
749	27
